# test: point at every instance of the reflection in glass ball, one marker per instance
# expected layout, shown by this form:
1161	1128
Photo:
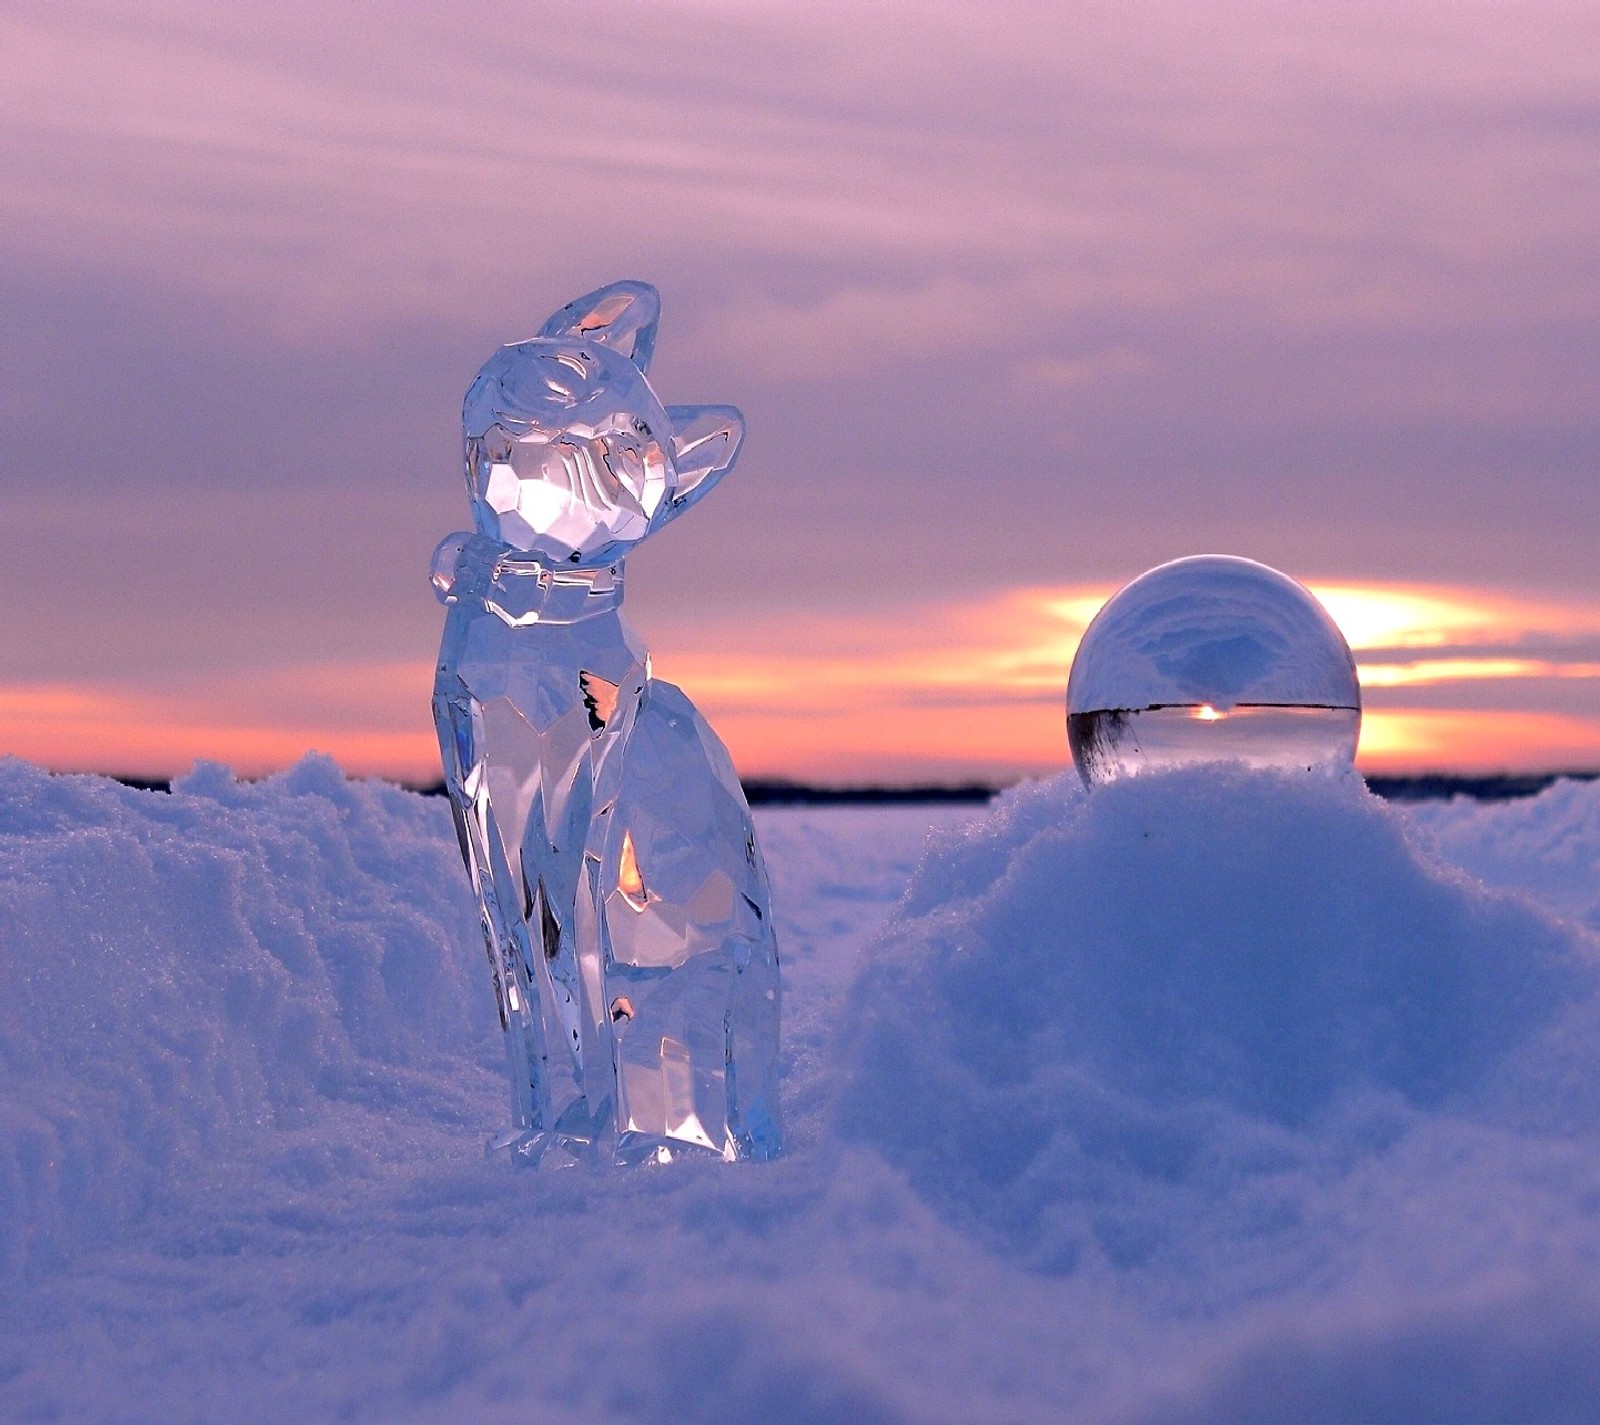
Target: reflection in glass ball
1212	659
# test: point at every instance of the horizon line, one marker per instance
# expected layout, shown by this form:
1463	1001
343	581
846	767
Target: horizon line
781	791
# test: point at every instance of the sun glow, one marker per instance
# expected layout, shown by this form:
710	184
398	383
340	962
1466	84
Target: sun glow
980	685
1464	670
1376	617
942	691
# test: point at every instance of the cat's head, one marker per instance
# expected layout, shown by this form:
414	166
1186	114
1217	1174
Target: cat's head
570	456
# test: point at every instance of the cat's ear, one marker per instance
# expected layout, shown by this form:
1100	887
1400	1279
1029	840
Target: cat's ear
705	443
622	315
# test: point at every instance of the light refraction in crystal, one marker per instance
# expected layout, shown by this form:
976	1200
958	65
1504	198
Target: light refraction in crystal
623	899
1212	659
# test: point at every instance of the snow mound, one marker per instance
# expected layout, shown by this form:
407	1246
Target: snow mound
1547	846
230	959
1096	1020
1213	1099
1535	1361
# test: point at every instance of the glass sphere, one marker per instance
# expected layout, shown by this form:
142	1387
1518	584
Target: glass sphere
1212	659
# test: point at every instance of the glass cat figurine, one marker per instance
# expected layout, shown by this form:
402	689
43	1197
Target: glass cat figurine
624	902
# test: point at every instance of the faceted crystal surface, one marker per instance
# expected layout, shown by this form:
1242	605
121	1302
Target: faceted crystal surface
686	919
624	904
570	456
1212	659
565	450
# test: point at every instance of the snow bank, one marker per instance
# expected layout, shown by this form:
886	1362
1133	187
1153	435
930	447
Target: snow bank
1099	1020
1547	846
1214	1098
184	971
1531	1360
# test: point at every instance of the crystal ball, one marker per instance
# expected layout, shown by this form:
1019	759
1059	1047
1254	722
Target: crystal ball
1212	659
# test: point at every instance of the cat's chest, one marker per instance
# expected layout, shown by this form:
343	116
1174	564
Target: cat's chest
568	675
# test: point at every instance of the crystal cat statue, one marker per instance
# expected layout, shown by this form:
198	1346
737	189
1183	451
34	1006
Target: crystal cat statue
623	899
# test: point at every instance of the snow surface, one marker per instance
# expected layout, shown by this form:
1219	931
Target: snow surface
1215	1097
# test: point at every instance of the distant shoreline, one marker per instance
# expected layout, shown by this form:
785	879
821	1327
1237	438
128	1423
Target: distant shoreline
772	792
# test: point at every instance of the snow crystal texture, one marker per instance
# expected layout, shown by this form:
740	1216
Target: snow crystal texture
1214	1097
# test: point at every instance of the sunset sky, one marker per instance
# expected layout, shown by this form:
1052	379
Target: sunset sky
1017	300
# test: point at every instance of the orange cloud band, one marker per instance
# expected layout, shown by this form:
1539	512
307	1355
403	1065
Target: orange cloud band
944	691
